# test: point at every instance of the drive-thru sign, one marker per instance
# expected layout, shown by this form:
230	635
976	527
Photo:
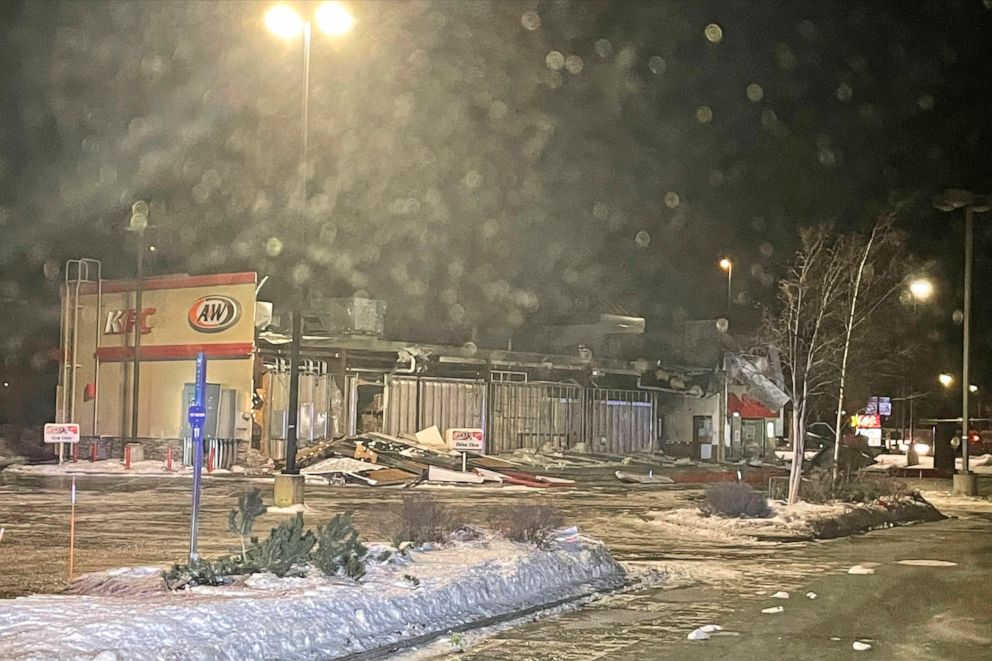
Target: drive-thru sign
61	432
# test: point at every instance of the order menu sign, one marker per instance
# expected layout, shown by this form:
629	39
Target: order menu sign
61	432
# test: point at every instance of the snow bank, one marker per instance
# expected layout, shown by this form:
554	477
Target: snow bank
312	617
114	467
799	521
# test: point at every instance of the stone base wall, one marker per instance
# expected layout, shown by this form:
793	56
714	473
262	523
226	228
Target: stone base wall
112	447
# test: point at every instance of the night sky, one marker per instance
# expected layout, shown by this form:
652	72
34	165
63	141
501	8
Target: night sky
492	165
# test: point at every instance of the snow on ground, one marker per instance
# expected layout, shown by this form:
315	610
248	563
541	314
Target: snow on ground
980	464
327	617
113	467
786	520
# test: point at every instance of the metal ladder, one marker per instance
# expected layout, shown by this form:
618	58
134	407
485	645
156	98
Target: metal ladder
77	273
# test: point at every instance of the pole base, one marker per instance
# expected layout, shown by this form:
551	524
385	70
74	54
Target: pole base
965	484
288	490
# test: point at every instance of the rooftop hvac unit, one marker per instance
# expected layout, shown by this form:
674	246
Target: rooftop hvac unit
349	316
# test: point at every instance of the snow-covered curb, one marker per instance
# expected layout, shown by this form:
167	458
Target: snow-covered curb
800	521
114	468
312	617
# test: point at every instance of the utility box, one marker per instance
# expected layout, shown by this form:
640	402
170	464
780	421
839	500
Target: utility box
211	397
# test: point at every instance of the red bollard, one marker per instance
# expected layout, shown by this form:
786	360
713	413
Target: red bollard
127	458
168	459
210	460
93	451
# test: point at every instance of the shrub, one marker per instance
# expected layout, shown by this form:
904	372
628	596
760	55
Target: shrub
287	546
241	520
338	548
735	500
852	487
532	524
421	520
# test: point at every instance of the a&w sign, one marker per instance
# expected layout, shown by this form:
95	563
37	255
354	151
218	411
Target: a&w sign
214	313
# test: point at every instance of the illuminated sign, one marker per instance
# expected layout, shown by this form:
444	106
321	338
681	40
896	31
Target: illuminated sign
214	313
121	322
869	422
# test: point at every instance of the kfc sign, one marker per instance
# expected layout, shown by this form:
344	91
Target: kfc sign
214	313
122	322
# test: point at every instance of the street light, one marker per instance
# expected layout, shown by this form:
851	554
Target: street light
921	289
973	388
949	200
283	21
137	224
945	380
728	266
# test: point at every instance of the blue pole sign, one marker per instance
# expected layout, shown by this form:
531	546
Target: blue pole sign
197	418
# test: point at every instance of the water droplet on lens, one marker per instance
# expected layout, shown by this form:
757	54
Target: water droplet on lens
273	247
530	20
704	114
714	33
671	199
555	61
656	64
642	239
754	92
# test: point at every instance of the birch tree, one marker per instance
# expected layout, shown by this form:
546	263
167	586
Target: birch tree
808	298
871	266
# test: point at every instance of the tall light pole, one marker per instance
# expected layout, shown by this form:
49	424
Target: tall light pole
949	200
283	21
921	290
728	266
138	224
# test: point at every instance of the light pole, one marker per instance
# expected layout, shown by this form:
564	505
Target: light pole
138	224
921	289
728	266
283	21
949	200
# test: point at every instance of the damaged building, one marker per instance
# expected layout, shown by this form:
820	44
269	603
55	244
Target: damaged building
575	387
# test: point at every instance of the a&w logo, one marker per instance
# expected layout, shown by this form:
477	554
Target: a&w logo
214	313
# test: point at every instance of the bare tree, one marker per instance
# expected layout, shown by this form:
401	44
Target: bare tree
808	307
871	268
832	290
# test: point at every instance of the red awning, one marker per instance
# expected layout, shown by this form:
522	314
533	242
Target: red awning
748	408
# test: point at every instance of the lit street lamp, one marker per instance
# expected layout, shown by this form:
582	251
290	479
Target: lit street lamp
138	224
283	21
945	380
921	289
728	266
949	200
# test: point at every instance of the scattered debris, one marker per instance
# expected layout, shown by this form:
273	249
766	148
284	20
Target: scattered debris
773	609
927	563
650	478
438	474
811	595
780	595
860	646
340	465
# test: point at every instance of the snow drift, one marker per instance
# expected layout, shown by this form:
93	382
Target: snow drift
313	617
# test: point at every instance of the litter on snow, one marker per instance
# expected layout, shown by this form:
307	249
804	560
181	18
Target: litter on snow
780	595
861	647
811	595
773	609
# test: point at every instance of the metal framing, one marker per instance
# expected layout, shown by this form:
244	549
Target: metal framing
520	414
